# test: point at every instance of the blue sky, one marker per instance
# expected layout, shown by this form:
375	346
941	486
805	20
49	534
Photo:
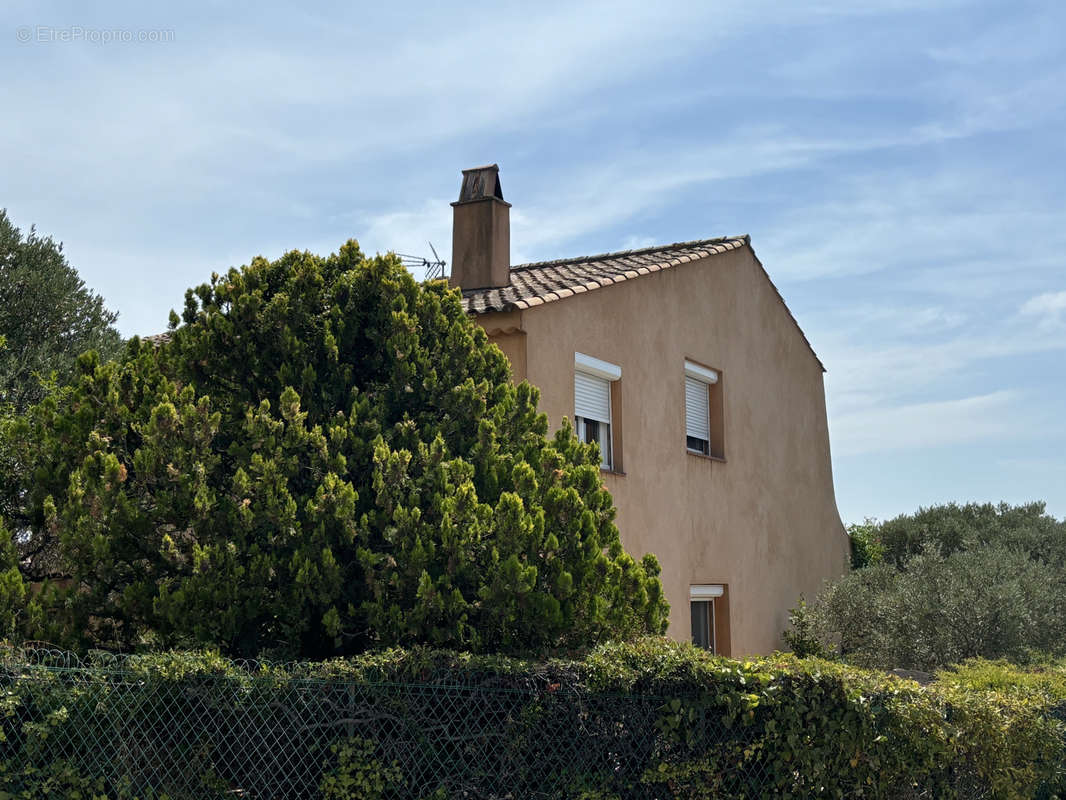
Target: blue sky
898	163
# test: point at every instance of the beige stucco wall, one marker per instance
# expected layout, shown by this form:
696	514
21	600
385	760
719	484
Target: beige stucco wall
763	521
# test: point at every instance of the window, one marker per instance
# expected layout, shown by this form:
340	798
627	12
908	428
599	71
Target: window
593	388
707	603
592	400
697	416
703	411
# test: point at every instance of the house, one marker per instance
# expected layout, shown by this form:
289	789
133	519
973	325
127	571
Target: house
685	365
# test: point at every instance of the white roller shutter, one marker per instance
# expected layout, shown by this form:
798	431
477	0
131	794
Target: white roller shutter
592	397
697	410
706	592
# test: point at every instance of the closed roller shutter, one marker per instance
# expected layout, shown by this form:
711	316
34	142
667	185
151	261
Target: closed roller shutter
592	397
697	410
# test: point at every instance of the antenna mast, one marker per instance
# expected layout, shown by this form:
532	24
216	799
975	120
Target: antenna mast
434	269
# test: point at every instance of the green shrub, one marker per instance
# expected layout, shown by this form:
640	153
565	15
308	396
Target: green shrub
326	457
645	719
954	582
1042	680
358	772
1047	676
866	547
801	636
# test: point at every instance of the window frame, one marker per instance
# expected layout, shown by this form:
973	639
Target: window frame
609	373
712	597
710	379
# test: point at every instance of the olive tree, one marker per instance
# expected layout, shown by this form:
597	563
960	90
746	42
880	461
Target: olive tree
948	583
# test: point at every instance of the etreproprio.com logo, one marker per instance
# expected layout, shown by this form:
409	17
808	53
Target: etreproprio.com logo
53	34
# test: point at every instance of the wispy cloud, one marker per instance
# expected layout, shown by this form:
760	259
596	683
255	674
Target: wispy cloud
924	425
602	195
1049	308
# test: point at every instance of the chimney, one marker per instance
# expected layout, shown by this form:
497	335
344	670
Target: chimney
481	232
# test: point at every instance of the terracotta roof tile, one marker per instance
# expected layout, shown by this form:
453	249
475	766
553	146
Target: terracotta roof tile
545	281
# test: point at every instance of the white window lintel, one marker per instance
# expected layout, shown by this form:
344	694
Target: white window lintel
700	373
705	592
597	367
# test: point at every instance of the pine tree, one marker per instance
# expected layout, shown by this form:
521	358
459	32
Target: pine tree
47	316
325	457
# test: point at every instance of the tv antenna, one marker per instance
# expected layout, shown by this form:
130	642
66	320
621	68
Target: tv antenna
434	269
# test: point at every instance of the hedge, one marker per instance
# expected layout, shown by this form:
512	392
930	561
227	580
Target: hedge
650	719
1044	679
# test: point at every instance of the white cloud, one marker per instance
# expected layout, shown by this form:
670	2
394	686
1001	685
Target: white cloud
922	425
1017	39
951	231
1047	303
638	242
864	374
610	191
1050	310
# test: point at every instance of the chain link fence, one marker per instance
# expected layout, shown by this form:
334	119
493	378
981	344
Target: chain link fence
248	730
258	735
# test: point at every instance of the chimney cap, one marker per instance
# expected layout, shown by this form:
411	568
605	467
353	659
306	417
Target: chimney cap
481	183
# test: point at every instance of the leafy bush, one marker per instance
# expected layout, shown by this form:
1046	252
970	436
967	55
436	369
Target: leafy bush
325	457
1044	676
647	719
801	636
954	583
866	546
1044	679
359	773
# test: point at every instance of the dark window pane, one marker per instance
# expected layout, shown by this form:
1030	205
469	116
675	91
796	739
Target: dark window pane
701	624
592	432
698	445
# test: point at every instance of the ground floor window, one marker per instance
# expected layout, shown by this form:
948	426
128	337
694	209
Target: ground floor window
707	604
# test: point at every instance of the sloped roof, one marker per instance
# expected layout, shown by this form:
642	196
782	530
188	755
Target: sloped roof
545	281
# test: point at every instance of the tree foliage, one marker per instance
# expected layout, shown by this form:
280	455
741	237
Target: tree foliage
12	586
947	529
325	457
47	316
866	547
954	582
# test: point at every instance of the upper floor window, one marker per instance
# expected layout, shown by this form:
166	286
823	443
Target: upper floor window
593	381
703	411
